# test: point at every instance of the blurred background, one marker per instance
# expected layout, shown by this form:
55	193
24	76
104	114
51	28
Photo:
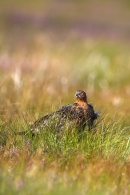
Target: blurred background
51	48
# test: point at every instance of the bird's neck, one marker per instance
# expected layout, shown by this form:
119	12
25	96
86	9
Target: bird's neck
82	103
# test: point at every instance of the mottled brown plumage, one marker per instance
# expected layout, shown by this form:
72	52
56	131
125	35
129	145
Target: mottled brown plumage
78	114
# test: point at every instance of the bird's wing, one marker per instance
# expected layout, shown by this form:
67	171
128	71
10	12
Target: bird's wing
94	114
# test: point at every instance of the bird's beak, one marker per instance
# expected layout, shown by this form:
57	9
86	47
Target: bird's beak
77	95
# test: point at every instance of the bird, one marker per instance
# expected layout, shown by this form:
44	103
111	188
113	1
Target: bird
79	115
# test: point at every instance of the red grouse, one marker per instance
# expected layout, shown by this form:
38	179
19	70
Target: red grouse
78	114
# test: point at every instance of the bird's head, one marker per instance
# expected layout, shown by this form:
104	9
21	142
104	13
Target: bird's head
81	96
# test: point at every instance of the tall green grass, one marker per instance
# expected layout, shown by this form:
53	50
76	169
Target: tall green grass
95	162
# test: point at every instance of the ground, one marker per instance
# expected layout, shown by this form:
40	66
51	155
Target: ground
48	50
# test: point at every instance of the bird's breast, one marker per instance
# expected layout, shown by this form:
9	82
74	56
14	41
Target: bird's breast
82	104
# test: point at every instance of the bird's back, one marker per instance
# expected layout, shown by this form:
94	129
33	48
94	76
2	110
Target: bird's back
72	114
